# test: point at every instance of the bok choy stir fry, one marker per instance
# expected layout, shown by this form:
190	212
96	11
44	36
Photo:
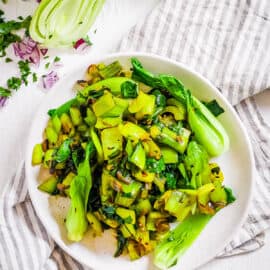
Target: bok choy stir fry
132	152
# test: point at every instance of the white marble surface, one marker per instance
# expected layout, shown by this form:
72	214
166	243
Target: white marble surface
16	117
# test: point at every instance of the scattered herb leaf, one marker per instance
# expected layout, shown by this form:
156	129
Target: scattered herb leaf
8	60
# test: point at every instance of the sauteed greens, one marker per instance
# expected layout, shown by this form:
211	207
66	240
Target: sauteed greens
132	152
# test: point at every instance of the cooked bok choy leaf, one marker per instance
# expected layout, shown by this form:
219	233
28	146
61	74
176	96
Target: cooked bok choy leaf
208	130
76	221
177	241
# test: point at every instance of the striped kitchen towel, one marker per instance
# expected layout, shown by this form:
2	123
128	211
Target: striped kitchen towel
226	41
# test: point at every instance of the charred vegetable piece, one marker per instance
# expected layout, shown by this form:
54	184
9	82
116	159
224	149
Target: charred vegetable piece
168	137
49	185
90	118
110	70
138	157
133	131
114	84
97	144
111	140
51	135
104	104
75	115
94	224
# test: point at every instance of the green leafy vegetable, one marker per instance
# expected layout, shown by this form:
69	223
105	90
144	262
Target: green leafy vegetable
129	89
170	180
196	162
160	98
64	108
230	197
214	107
110	70
76	222
177	241
64	151
154	165
208	130
121	243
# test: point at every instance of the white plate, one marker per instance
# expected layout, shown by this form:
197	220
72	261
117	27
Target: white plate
237	165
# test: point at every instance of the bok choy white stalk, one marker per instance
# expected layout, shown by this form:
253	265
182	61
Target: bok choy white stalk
60	23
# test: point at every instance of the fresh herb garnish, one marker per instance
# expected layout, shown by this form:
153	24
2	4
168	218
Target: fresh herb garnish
7	28
25	70
34	77
14	83
4	92
47	65
8	60
56	59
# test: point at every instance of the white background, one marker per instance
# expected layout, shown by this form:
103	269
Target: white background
116	19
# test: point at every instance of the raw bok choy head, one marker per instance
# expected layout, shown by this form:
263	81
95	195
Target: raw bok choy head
61	23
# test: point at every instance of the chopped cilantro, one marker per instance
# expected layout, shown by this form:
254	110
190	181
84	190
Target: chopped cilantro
4	92
25	70
34	77
14	83
56	59
8	60
7	28
47	65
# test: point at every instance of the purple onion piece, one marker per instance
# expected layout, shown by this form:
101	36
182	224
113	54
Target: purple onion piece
81	45
27	49
3	101
43	51
49	80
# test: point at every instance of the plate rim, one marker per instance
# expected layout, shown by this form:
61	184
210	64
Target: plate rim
104	57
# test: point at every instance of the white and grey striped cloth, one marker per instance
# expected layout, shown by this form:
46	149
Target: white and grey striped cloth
227	42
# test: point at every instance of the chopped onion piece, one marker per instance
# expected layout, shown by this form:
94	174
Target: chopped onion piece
27	49
3	101
49	80
81	45
43	51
